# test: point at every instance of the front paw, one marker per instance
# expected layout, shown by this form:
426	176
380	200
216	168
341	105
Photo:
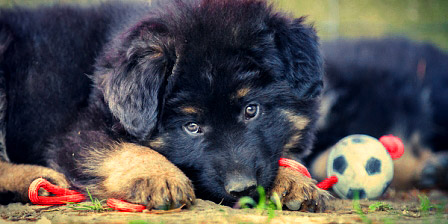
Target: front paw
299	192
140	175
161	193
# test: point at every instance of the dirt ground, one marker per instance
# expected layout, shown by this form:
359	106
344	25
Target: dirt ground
409	207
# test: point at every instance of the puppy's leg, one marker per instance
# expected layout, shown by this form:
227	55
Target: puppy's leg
15	179
140	175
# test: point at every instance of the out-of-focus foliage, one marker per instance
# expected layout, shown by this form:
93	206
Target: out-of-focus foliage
424	20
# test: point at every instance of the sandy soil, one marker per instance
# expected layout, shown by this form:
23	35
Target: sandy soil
405	208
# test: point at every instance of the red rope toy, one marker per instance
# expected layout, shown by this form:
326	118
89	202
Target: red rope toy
63	195
124	206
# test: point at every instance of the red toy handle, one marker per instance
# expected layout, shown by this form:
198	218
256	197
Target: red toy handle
292	164
62	195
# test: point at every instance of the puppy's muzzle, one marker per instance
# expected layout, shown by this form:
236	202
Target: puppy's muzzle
241	185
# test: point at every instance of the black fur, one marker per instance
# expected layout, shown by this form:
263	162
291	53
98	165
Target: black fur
145	64
5	41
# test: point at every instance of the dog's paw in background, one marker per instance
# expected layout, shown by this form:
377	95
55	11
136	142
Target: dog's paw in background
298	192
435	172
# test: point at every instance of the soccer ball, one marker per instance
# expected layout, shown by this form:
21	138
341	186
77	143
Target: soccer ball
362	165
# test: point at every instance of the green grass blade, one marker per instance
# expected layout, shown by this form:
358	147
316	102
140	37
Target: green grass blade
262	200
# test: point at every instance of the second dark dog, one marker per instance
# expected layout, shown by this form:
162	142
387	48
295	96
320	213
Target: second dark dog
388	86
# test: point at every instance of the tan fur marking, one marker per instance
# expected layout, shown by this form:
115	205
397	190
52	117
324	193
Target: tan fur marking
157	143
242	92
157	51
17	178
141	175
293	141
299	122
298	191
190	110
156	55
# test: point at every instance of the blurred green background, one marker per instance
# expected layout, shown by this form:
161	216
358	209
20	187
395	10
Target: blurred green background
421	20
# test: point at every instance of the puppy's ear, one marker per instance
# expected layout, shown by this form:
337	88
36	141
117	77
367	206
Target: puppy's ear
300	53
132	75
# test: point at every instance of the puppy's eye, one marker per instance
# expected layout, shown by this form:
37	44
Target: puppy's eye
193	128
251	111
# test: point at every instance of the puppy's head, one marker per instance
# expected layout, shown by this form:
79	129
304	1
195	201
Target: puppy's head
221	88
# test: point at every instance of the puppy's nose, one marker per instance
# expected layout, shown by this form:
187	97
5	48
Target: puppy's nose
240	186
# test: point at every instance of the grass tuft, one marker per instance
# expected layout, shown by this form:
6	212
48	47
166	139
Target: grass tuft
380	206
426	206
94	205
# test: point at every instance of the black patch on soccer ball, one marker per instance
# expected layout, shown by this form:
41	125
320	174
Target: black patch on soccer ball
357	140
340	164
351	194
386	186
373	166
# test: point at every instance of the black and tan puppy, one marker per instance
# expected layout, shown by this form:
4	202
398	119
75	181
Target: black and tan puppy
159	104
388	86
